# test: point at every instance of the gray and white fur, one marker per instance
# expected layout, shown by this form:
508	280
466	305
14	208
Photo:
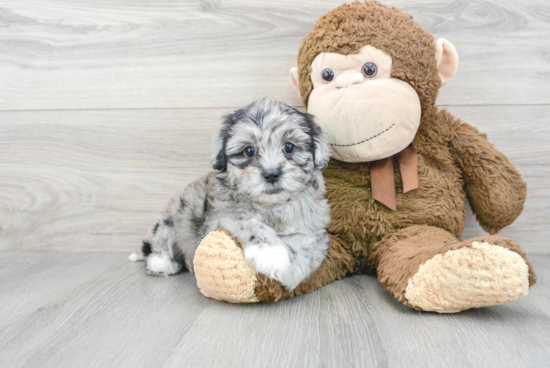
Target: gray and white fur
272	201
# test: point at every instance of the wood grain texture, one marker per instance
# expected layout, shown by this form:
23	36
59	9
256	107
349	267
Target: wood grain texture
111	314
95	180
64	54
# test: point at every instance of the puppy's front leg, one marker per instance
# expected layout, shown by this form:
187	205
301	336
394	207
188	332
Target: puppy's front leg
289	258
308	252
281	259
266	252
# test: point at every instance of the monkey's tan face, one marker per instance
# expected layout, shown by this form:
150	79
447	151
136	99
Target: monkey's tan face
366	114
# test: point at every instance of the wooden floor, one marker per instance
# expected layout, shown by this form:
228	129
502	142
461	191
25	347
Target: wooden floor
99	310
108	107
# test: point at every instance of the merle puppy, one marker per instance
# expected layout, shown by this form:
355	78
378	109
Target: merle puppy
266	190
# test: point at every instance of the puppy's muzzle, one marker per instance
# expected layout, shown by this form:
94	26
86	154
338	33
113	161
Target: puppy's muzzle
272	177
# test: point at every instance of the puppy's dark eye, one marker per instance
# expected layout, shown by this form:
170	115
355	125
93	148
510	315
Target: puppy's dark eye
289	148
249	151
327	74
369	70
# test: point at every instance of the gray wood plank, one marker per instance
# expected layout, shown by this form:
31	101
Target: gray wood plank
62	54
121	317
43	277
95	180
73	179
112	318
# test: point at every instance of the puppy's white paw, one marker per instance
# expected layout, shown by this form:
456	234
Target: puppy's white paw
157	264
134	257
272	260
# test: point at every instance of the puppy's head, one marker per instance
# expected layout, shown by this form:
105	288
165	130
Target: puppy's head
269	151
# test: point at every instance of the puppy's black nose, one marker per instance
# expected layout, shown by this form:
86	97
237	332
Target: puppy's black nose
272	177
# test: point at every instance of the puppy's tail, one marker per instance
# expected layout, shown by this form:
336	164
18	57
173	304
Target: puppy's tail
145	251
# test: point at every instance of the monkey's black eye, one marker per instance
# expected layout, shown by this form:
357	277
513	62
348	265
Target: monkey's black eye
289	148
369	70
249	151
327	74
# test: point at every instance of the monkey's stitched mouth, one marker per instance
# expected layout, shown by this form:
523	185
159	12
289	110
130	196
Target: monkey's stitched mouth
364	140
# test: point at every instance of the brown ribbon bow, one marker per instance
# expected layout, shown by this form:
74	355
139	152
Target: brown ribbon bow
383	181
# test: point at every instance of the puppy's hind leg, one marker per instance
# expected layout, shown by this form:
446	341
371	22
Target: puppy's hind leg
145	251
159	249
162	265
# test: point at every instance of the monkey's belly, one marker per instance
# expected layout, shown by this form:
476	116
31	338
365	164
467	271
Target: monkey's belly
361	221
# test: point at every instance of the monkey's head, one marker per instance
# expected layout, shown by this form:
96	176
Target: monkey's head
368	72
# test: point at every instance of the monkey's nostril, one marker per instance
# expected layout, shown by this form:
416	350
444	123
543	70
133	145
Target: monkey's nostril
272	177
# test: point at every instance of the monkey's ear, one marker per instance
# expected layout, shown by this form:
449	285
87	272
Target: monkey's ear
295	79
447	60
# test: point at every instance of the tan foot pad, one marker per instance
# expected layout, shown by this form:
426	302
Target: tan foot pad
222	271
471	277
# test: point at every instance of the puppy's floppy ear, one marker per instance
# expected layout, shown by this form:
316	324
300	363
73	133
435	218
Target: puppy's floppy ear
219	157
322	149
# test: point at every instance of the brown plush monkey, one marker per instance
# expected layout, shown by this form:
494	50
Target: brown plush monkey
401	171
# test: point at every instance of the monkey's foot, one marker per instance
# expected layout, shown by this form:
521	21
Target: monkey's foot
478	275
221	270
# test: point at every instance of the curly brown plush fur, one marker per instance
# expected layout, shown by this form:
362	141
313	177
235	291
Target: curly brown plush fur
455	161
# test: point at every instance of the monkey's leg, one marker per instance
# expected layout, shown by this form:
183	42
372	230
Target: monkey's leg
428	269
223	273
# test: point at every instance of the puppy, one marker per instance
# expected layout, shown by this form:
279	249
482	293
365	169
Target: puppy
267	190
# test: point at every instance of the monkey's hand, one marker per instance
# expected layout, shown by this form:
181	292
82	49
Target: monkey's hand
493	185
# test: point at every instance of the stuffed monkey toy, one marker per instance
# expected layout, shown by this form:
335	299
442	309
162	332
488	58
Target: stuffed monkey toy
400	173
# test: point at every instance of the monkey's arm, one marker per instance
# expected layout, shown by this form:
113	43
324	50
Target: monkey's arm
493	185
